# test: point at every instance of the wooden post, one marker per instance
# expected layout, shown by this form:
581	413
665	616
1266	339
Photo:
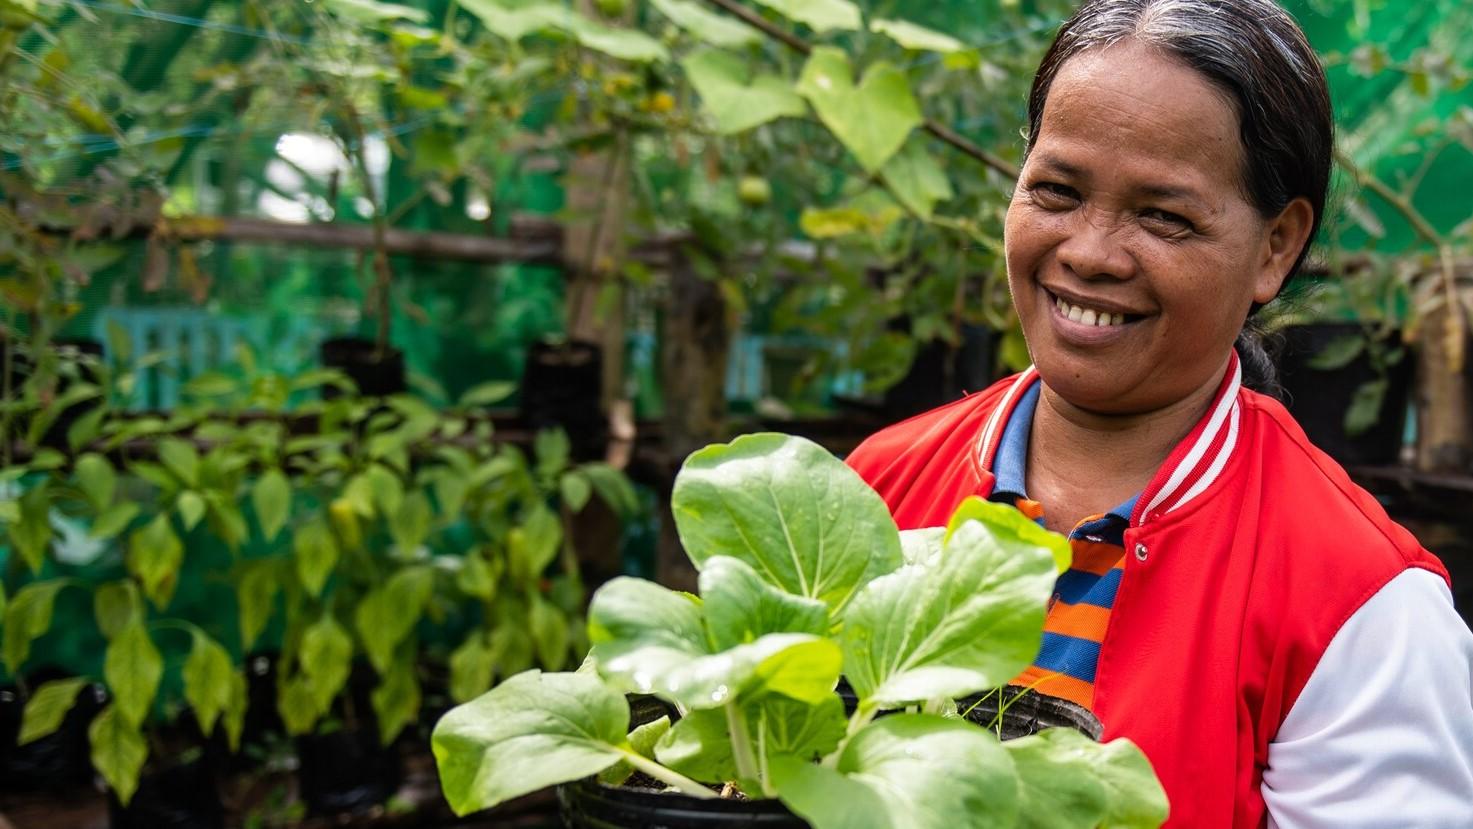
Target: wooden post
696	331
1444	413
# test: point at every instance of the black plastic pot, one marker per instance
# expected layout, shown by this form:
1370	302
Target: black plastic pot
1318	398
357	358
57	761
179	797
346	771
589	804
562	387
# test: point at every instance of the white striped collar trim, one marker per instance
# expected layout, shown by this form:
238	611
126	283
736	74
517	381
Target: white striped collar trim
1176	492
1181	487
992	433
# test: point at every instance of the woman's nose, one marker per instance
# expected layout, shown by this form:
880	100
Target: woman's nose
1093	249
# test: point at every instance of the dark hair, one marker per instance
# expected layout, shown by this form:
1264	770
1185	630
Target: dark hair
1257	55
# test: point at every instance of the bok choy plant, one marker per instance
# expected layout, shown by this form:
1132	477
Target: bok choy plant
804	578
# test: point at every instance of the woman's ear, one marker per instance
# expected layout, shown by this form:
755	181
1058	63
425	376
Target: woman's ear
1286	235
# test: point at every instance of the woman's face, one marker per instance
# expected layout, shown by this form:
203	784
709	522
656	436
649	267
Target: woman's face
1133	254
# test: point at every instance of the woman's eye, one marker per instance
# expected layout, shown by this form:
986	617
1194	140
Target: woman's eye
1167	221
1054	195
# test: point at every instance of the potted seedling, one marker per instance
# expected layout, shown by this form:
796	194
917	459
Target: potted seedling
804	578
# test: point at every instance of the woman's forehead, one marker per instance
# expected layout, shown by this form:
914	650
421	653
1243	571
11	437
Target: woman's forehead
1129	106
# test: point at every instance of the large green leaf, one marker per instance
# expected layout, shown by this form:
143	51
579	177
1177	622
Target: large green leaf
326	660
514	20
396	702
873	119
818	15
735	100
917	180
1065	779
410	523
272	499
316	553
741	608
533	545
909	770
922	546
255	592
114	519
532	731
472	666
803	520
32	533
154	556
969	623
1056	789
47	708
650	640
387	614
116	605
699	745
118	752
133	668
98	480
27	618
712	28
624	44
208	685
181	458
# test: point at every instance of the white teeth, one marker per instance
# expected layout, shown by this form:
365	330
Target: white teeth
1088	316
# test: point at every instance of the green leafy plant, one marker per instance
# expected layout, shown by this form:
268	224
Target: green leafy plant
804	578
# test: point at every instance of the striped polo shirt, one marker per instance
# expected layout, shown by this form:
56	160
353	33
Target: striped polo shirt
1083	595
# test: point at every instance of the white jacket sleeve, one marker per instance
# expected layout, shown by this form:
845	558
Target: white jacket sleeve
1382	734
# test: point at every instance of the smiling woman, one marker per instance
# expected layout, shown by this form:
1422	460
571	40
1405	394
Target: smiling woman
1284	653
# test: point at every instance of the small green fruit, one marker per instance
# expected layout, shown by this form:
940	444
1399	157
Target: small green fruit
754	191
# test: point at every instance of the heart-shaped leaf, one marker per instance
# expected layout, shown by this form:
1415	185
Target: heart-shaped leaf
873	119
735	101
969	623
818	15
532	731
912	770
804	521
708	26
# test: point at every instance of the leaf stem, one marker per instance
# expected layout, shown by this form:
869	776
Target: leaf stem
672	778
861	718
741	743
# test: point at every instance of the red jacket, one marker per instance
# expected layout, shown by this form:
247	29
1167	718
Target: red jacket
1246	553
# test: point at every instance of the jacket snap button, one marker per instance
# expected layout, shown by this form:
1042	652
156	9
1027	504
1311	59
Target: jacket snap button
1140	552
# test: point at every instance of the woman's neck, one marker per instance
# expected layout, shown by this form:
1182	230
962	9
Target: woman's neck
1083	463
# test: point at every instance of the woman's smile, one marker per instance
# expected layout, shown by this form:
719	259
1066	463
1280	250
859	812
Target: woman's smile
1133	251
1089	322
